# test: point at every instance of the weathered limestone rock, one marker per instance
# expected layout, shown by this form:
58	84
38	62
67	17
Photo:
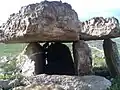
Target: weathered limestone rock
82	57
45	21
100	28
112	57
70	82
32	60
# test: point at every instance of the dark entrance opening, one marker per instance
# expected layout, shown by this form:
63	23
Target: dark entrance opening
59	60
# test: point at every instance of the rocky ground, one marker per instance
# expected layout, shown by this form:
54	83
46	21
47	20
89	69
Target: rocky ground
57	82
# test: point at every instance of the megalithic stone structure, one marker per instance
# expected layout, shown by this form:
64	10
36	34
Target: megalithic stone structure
112	57
55	21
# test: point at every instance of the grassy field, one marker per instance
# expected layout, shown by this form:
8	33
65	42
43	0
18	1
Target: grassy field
11	49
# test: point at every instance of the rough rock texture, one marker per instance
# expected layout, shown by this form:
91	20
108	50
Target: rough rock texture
74	82
82	58
25	65
55	21
31	60
6	84
45	21
39	87
112	57
100	28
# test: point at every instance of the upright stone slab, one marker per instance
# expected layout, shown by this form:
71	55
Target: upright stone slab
82	58
112	57
34	60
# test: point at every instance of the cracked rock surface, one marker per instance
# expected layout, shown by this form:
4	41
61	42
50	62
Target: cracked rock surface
70	82
45	21
55	21
100	28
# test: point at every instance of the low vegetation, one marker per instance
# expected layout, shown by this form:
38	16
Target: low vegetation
115	84
11	49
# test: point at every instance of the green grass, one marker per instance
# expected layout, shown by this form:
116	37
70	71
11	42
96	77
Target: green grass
115	84
11	49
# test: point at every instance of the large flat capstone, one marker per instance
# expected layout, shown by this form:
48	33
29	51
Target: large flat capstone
45	21
99	28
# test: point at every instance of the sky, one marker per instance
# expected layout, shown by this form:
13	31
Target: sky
86	9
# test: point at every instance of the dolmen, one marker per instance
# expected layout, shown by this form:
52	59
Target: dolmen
47	27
